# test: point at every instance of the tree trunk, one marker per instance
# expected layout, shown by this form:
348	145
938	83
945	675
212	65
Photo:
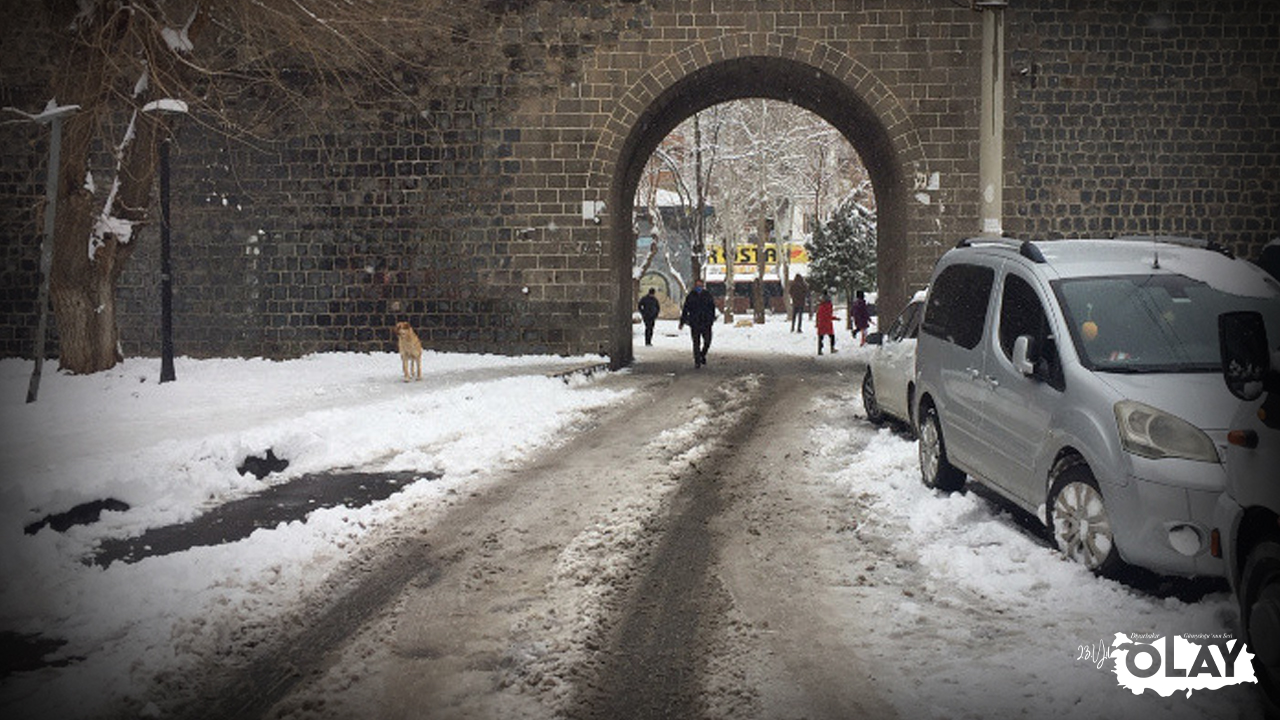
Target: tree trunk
730	280
784	277
699	239
87	331
83	287
757	289
648	261
83	279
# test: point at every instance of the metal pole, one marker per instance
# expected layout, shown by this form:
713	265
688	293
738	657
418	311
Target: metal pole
166	272
991	124
46	254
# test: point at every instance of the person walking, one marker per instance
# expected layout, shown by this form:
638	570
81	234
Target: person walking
861	316
826	323
649	313
799	291
699	313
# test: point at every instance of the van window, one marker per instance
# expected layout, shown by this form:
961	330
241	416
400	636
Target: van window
957	305
1022	313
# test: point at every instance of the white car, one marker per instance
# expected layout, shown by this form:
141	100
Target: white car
889	383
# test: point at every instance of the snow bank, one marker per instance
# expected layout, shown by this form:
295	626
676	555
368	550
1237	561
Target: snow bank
170	451
1042	612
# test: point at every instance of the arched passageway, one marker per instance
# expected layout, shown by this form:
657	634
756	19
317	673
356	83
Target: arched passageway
829	97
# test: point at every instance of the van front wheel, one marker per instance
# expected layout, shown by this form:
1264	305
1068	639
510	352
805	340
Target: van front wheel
1078	518
935	470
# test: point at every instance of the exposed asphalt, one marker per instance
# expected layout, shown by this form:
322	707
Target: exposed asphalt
277	504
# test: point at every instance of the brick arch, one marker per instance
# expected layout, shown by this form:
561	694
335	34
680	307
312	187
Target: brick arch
812	75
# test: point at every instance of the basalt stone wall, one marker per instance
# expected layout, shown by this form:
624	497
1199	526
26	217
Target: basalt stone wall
324	241
24	151
21	190
489	217
1144	118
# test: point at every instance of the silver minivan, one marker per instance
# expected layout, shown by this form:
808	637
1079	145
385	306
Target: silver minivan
1081	379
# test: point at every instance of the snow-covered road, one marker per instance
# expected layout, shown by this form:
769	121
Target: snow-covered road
832	583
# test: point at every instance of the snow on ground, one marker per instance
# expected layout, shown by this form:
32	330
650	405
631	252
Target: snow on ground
171	450
1050	613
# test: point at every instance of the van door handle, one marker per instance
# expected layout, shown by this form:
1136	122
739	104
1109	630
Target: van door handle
991	380
973	373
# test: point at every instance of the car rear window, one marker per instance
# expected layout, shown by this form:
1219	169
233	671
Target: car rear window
957	304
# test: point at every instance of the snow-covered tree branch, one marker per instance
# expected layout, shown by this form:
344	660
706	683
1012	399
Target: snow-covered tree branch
131	65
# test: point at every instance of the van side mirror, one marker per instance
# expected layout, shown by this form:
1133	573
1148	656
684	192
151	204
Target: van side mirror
1021	356
1246	357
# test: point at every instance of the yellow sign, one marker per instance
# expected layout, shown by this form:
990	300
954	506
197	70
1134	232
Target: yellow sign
748	255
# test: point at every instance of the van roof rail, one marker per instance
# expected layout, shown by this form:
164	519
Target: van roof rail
1025	248
1183	241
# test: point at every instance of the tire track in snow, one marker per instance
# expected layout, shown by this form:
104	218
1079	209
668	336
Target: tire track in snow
653	665
501	608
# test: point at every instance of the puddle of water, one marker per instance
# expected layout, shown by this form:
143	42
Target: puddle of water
238	519
21	652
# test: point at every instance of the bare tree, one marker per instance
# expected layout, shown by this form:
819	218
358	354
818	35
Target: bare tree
683	168
765	155
121	56
650	184
760	160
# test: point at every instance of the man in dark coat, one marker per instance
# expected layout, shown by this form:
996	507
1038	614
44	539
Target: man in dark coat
799	290
699	313
649	313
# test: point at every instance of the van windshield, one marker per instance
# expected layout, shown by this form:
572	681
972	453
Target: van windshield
1151	323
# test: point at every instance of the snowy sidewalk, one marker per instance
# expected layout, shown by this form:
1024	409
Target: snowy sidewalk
171	453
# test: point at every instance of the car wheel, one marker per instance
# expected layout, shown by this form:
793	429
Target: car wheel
935	471
875	415
1078	517
1260	613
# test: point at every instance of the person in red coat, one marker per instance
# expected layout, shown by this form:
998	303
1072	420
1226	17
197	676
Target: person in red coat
826	322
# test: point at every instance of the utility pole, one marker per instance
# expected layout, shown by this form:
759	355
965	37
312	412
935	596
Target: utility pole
991	123
53	115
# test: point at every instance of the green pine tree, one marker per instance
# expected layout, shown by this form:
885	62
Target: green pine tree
842	253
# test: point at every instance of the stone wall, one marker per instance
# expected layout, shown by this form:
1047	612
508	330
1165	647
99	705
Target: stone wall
1144	118
496	219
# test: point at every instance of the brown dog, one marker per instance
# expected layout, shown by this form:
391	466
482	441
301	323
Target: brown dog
410	351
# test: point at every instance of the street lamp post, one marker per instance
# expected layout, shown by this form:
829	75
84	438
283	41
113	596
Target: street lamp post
167	373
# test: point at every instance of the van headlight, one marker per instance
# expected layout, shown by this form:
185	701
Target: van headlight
1154	433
